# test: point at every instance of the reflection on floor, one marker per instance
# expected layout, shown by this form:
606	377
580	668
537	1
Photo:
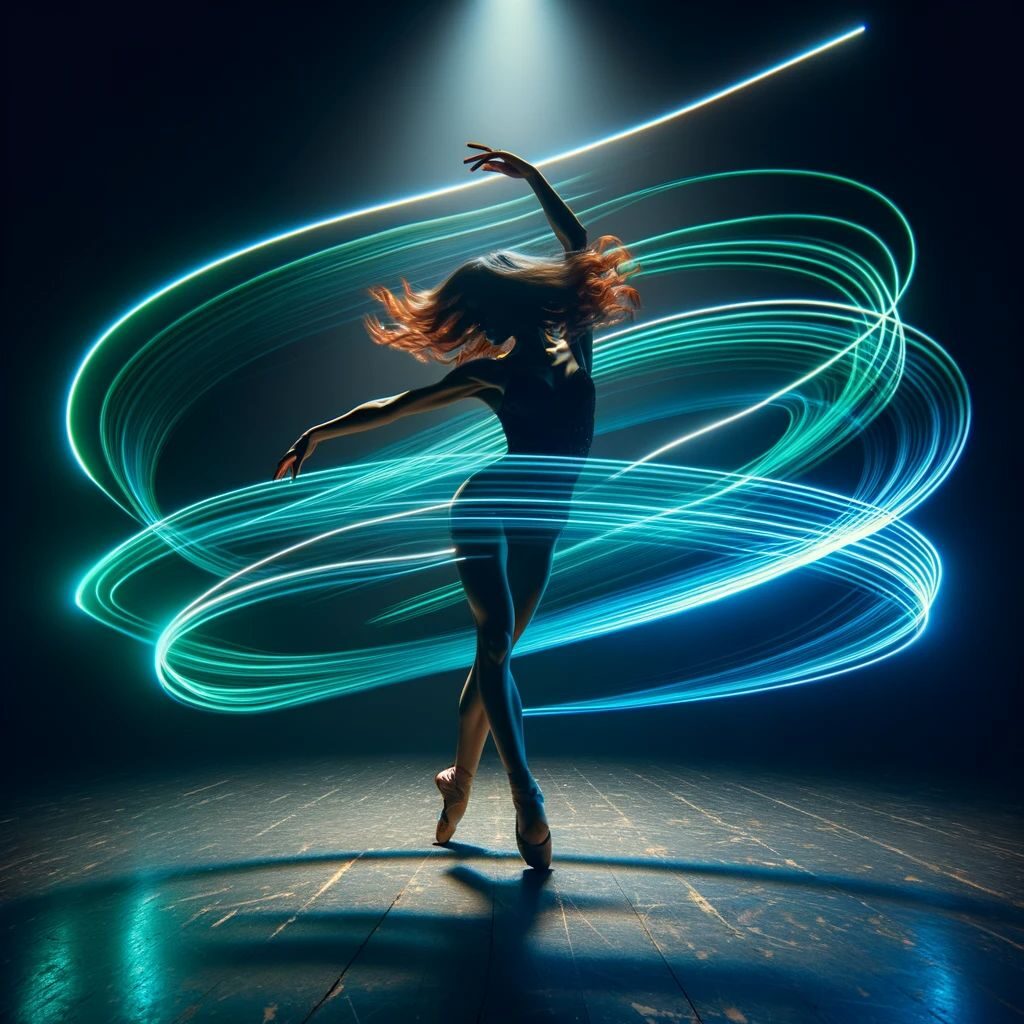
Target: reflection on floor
314	892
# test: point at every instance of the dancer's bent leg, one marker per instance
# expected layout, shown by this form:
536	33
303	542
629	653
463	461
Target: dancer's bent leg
481	565
527	568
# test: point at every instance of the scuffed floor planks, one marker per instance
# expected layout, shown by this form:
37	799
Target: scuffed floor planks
313	892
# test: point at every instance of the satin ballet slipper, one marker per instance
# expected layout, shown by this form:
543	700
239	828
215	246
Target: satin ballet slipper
454	784
529	804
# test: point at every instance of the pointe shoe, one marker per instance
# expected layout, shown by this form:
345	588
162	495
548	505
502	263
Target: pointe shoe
454	783
530	802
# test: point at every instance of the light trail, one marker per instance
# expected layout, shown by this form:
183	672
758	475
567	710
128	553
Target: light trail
405	201
820	362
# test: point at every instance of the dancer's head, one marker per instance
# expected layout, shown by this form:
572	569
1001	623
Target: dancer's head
490	299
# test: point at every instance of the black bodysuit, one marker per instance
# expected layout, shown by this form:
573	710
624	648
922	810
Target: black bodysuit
529	501
548	419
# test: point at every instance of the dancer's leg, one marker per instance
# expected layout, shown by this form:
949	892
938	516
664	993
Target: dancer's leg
473	725
527	568
481	564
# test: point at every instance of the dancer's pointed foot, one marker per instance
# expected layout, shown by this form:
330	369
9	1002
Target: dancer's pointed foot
454	783
533	836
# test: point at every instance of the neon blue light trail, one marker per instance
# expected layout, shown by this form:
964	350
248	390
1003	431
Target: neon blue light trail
808	357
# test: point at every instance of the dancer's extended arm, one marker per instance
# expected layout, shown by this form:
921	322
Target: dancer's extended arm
565	224
463	382
573	236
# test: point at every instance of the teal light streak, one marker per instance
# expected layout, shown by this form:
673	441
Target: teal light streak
823	339
721	94
394	204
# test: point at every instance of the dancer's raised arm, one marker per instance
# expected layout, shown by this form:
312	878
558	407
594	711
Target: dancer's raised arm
463	382
566	226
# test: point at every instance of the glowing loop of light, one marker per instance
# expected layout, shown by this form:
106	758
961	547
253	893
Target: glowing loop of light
646	539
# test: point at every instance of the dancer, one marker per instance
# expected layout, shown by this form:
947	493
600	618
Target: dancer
518	330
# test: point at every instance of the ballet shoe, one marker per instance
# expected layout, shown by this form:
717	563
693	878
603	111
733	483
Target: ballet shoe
454	784
529	802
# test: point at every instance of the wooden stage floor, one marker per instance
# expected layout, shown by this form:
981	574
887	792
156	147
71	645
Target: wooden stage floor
313	892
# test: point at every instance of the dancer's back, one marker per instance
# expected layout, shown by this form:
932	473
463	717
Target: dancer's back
542	409
548	419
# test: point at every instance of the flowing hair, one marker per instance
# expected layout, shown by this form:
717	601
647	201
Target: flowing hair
561	295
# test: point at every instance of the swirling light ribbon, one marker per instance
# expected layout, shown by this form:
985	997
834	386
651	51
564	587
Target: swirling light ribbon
820	361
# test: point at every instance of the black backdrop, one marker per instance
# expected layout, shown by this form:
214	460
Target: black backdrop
141	140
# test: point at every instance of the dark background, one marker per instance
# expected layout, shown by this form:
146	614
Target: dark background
144	140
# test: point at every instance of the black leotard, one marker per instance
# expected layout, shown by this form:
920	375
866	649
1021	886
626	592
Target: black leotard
548	419
522	501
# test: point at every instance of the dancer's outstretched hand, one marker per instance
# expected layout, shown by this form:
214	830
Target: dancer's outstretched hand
498	160
293	459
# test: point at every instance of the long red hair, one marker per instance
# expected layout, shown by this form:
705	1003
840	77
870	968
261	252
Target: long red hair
457	320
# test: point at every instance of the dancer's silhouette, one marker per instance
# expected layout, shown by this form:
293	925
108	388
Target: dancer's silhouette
519	331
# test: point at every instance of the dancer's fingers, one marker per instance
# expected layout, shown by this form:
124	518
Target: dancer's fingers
485	160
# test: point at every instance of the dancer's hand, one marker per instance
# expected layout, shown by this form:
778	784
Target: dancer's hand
293	459
498	160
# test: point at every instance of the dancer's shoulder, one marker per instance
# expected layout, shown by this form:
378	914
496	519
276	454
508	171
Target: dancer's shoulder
485	370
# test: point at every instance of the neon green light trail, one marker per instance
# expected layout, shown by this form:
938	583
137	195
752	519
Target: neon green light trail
798	422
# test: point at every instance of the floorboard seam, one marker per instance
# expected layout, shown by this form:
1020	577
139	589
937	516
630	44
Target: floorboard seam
655	944
362	945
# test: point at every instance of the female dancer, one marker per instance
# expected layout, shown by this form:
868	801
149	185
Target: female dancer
519	331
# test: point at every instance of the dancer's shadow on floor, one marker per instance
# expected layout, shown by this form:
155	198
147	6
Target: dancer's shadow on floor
516	967
506	951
